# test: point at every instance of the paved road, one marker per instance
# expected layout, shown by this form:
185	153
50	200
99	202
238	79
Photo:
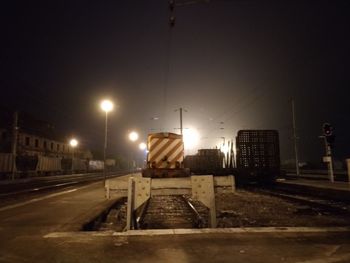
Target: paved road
29	230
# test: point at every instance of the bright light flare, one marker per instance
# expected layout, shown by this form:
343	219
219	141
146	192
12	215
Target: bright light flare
73	143
142	146
224	148
133	136
107	105
191	138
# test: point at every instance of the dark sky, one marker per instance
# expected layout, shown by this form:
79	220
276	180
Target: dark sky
238	62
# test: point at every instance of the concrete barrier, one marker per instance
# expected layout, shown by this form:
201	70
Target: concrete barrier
139	190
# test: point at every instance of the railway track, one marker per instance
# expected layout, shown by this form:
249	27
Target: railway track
43	184
168	212
306	200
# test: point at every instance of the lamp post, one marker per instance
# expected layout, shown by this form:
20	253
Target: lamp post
73	143
133	136
143	147
106	106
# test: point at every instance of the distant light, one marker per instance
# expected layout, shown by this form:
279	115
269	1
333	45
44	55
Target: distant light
142	146
106	105
224	148
73	143
191	138
133	136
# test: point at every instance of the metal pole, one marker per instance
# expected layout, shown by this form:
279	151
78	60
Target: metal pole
14	144
227	153
72	160
181	120
223	147
348	165
295	142
104	151
181	126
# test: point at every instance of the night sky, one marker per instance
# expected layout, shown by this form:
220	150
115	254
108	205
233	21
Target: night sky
231	64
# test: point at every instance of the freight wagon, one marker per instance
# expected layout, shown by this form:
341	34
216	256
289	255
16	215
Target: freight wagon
5	164
258	155
48	165
206	161
44	165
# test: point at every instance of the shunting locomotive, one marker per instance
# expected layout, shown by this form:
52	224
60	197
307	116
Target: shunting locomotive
165	156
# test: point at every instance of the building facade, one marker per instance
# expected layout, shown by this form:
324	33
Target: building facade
38	138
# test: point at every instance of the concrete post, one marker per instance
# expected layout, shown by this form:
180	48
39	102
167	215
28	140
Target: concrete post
130	206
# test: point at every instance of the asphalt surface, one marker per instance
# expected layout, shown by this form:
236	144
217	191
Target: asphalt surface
30	232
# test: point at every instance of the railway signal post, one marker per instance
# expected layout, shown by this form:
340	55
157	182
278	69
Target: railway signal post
328	140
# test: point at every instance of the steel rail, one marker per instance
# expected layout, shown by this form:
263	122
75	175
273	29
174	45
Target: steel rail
311	201
199	221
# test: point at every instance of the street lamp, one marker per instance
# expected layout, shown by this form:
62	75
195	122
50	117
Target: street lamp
73	143
133	136
106	106
142	146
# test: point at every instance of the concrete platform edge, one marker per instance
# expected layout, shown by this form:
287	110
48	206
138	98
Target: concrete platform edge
158	232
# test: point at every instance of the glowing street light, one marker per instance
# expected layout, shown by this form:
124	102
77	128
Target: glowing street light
133	136
142	146
106	106
73	143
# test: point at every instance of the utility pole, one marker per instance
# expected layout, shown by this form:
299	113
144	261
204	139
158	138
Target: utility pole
14	143
295	138
181	128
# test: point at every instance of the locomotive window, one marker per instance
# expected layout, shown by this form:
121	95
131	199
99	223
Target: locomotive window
45	144
36	143
58	147
52	146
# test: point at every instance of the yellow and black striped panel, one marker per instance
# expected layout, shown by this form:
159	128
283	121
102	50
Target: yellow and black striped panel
165	149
